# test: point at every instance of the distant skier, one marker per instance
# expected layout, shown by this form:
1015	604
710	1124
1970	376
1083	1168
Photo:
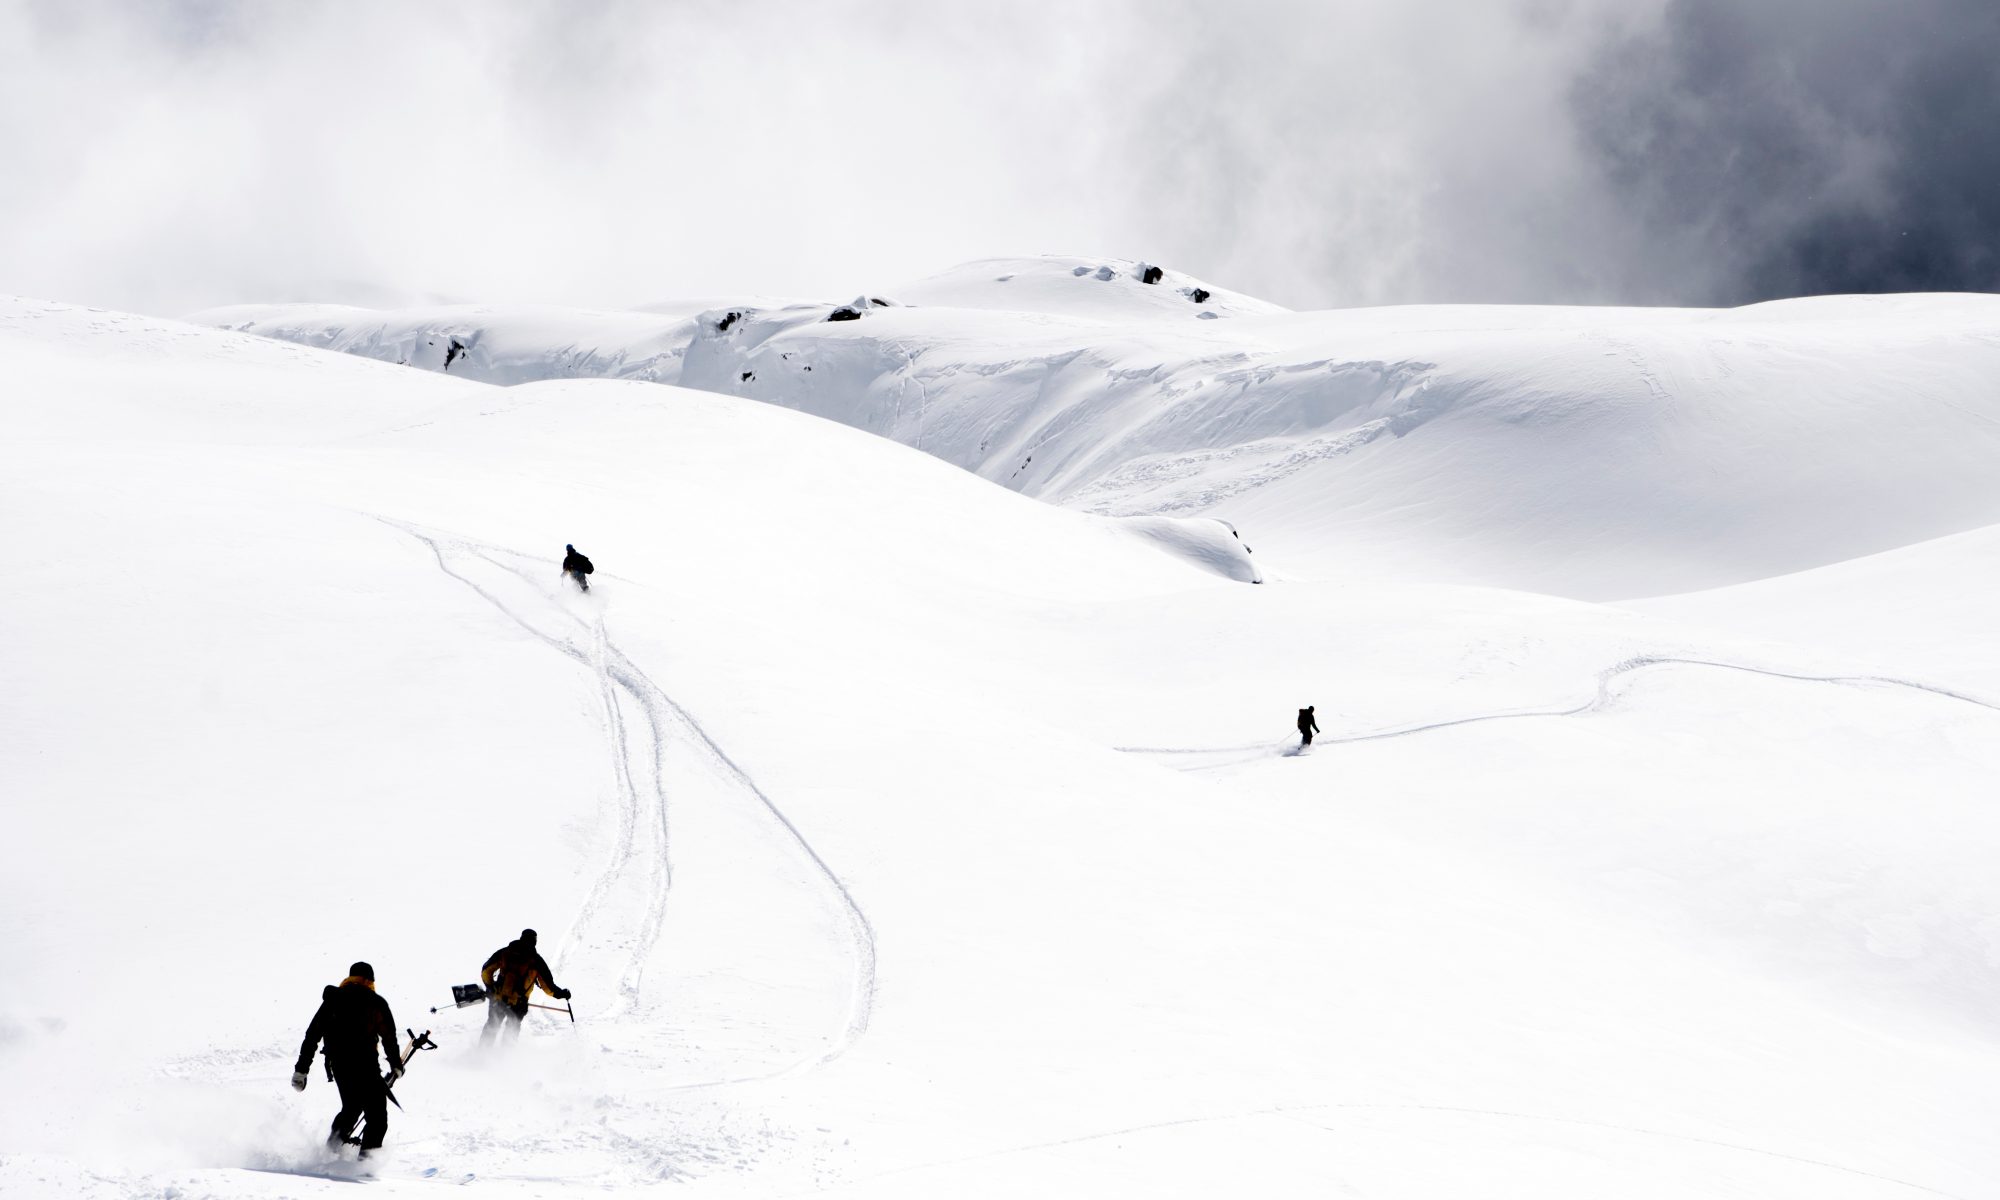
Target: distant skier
510	975
351	1020
1307	726
577	567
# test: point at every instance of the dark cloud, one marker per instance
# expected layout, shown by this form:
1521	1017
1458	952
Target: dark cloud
1367	153
1792	147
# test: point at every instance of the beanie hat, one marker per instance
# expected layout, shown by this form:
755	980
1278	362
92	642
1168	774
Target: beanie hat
363	970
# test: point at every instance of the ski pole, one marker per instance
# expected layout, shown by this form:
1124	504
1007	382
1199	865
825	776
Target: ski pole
566	1008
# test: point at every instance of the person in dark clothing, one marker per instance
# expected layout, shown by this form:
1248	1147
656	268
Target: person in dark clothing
351	1020
510	975
577	567
1307	726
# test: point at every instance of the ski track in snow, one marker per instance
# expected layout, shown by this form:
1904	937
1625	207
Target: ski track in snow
1602	697
629	811
1294	1114
1298	1113
655	813
664	718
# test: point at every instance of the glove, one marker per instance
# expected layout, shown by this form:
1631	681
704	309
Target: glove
395	1073
298	1081
562	993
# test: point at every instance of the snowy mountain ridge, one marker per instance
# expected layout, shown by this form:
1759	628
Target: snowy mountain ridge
1441	441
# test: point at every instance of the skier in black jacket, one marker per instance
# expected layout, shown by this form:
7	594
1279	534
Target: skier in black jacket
351	1020
1307	726
577	567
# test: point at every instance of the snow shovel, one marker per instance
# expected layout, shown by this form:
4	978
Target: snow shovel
465	995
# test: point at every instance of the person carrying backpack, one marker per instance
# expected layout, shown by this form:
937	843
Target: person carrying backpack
351	1020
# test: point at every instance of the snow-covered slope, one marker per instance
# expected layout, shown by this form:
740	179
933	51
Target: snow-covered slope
1595	453
902	836
481	342
1928	607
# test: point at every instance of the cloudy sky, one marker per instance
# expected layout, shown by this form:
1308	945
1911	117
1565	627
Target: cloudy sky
172	155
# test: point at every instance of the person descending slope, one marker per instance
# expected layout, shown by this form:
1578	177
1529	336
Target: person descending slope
577	567
510	975
351	1020
1307	726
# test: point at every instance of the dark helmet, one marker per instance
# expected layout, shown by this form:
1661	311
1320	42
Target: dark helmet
363	970
527	937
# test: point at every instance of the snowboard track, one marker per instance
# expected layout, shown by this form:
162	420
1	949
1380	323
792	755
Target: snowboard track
622	855
1299	1113
1600	699
664	716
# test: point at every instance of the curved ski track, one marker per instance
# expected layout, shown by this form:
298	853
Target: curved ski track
1602	696
664	718
1297	1112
